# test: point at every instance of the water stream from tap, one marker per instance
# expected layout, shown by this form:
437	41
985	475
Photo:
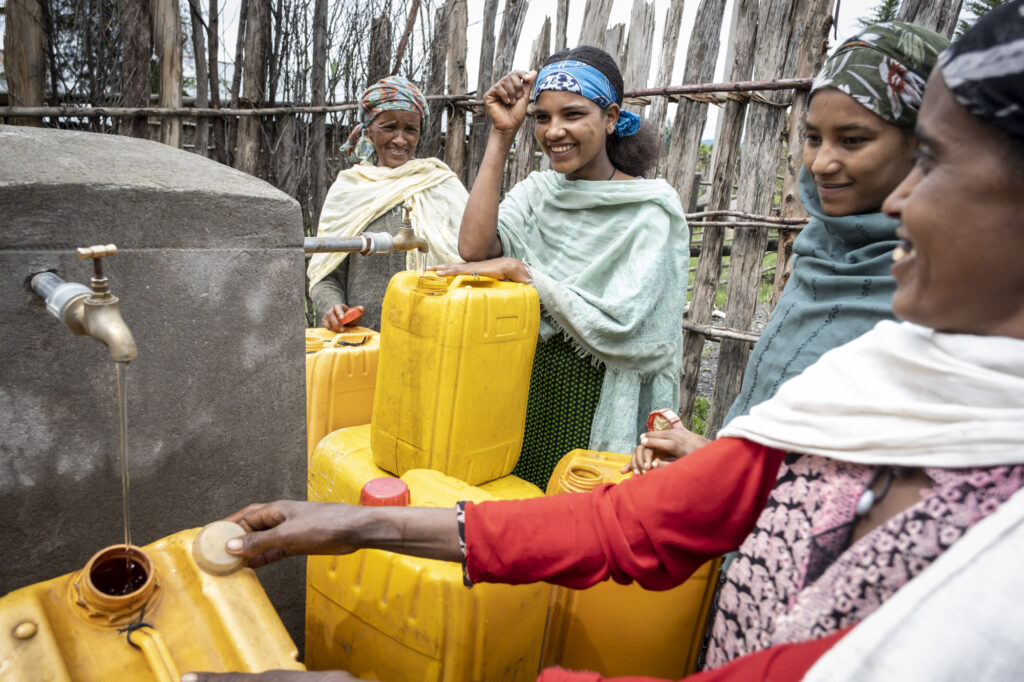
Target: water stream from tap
122	414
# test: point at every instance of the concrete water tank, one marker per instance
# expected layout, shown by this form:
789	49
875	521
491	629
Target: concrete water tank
209	272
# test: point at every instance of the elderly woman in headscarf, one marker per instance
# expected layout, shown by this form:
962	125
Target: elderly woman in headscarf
858	145
369	196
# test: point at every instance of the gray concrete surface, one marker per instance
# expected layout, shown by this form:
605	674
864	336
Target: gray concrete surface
210	276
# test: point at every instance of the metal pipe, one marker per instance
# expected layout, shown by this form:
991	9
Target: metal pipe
368	243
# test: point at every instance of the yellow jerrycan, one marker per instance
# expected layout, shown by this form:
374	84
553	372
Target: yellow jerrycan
341	372
620	630
145	614
454	375
385	616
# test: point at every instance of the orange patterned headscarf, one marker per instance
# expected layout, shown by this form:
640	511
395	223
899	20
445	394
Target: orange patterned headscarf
394	93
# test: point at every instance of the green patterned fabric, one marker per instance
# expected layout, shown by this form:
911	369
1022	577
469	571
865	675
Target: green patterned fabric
884	68
564	390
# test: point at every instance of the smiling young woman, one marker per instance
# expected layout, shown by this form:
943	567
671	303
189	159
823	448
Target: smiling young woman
859	144
605	248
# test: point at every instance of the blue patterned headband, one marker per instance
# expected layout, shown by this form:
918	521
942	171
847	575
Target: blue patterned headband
583	79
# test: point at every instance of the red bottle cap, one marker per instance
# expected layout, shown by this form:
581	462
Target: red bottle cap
352	315
663	420
385	492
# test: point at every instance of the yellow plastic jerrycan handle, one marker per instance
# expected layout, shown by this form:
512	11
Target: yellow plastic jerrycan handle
471	280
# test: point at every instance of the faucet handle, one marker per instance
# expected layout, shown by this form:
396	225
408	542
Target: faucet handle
407	214
98	251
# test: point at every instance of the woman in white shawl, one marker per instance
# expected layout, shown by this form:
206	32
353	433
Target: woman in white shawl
878	491
370	195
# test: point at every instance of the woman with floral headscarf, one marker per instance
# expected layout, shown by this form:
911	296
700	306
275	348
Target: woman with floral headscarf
369	196
858	145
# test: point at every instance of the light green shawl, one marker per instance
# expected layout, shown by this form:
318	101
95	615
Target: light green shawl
609	260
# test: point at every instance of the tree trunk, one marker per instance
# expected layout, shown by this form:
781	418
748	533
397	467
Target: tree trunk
220	123
780	26
430	142
25	57
680	160
723	165
167	41
236	78
254	71
938	15
455	137
636	67
202	78
317	143
670	42
595	22
526	143
479	127
135	69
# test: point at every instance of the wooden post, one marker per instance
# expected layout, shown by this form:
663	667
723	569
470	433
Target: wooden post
236	78
318	125
938	15
723	169
614	44
430	142
136	27
25	57
253	85
526	143
636	66
670	42
455	137
680	160
479	126
779	31
595	23
380	50
813	49
561	19
511	27
167	41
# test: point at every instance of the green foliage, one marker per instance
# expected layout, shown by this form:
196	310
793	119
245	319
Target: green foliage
698	421
977	9
884	11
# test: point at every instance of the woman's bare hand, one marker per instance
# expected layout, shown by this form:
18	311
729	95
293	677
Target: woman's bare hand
287	528
510	269
661	448
335	318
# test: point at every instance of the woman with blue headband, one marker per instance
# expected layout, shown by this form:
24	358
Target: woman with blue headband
605	248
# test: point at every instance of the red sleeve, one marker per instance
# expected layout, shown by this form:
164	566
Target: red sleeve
656	529
783	663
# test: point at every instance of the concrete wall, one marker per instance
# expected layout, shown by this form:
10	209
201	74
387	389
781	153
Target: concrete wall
210	276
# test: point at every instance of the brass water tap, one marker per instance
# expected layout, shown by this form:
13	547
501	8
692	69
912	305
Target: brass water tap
91	312
101	311
407	239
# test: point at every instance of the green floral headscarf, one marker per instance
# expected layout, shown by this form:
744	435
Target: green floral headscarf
884	67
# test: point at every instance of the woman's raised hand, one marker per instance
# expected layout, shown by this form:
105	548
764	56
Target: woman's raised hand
511	269
507	100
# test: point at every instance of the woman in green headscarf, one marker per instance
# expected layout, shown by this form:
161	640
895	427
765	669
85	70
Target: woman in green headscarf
859	144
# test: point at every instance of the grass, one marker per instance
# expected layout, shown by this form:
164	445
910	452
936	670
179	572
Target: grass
699	417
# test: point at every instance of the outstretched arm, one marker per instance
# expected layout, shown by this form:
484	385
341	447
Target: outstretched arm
506	104
288	528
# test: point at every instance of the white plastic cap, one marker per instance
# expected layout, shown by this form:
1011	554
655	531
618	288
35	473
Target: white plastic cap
209	551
